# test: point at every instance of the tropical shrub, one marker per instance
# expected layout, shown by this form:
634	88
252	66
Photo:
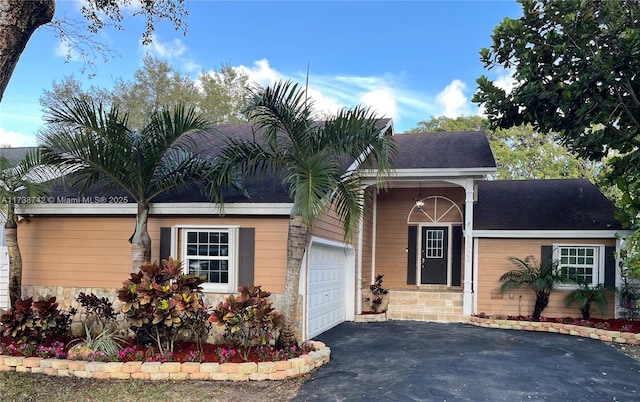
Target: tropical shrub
99	311
377	294
103	346
628	296
585	296
29	321
539	277
162	303
249	319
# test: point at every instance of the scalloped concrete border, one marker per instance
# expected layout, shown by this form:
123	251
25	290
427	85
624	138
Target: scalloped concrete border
554	327
171	370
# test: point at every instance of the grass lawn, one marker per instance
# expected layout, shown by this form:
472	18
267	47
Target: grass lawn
40	387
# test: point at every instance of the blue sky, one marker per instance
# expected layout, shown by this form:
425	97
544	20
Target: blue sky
406	60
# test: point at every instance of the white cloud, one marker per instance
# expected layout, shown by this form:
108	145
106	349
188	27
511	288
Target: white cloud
261	72
15	139
382	100
385	94
174	51
452	100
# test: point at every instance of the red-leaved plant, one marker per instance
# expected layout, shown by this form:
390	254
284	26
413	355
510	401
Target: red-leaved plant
249	319
162	302
35	321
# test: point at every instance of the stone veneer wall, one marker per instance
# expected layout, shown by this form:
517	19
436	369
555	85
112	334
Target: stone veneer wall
558	328
171	370
426	305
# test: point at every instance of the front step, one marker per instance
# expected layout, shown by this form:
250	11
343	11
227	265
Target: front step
439	305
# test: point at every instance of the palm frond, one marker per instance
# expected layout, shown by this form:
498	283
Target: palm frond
312	158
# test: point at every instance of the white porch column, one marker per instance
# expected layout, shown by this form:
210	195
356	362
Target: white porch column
618	280
467	300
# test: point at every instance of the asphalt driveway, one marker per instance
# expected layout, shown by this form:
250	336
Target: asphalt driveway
419	361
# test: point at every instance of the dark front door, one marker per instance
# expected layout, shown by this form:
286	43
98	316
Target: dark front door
435	250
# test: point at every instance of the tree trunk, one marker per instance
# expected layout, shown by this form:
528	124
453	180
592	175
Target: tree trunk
140	240
586	311
18	20
542	300
15	258
297	242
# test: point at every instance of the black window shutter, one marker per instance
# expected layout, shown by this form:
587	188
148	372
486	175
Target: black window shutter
165	243
247	238
411	255
456	255
546	254
609	266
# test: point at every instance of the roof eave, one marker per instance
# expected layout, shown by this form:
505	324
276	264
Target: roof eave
177	208
552	234
412	174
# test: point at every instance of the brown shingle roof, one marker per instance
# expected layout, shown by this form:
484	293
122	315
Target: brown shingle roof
557	204
443	150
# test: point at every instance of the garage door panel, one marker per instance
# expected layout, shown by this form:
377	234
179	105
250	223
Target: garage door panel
327	304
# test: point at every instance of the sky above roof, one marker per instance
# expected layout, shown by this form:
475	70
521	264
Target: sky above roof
408	61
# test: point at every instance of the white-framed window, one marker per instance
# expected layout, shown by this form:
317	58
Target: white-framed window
212	252
582	263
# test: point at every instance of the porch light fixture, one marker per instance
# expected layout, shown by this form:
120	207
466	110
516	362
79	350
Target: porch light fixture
419	202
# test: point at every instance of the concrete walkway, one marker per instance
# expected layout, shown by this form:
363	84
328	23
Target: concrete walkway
418	361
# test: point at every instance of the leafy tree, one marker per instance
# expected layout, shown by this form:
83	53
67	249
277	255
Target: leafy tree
20	180
575	70
521	152
310	158
95	146
223	94
19	19
68	88
220	94
539	277
443	123
156	84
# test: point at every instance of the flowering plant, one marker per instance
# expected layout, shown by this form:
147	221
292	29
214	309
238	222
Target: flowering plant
194	356
56	350
224	355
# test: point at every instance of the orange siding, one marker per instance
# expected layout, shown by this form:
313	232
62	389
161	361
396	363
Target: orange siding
394	207
93	251
492	263
329	227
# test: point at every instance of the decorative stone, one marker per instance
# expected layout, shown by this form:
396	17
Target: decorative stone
171	367
247	368
258	376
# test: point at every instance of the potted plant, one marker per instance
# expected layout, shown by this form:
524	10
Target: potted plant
376	300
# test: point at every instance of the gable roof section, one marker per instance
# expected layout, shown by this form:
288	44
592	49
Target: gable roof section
557	204
14	155
443	150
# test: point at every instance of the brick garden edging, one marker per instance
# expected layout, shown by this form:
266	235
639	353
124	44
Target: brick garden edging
554	327
171	370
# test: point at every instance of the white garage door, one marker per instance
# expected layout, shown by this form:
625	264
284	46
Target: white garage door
4	277
327	288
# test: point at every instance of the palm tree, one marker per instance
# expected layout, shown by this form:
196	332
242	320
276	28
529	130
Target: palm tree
312	160
540	277
94	146
21	181
586	295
